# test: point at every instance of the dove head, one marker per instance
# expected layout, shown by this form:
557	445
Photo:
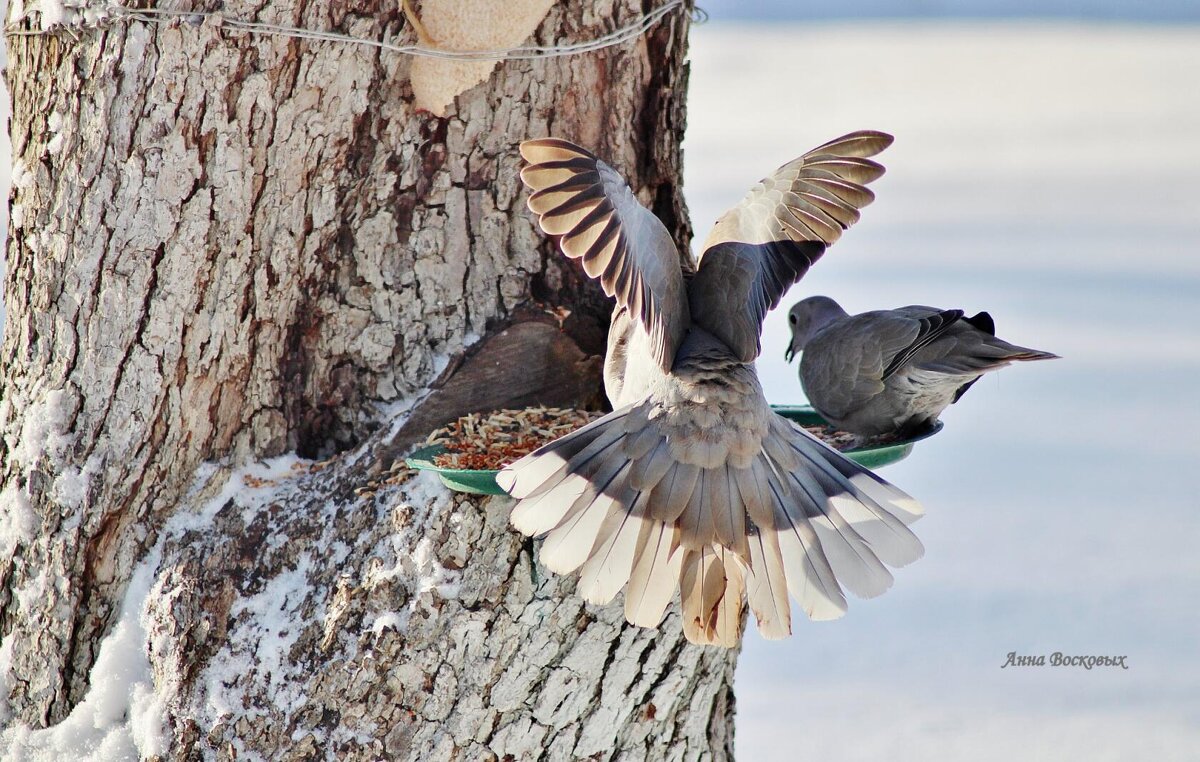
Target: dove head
808	317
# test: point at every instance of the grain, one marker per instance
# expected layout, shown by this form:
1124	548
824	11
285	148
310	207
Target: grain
490	441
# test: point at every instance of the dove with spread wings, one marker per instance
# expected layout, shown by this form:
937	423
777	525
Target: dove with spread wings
692	483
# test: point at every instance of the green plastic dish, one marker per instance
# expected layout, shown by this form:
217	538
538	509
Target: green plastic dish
457	479
484	482
871	457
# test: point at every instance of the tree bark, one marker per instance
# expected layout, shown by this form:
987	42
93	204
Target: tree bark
226	248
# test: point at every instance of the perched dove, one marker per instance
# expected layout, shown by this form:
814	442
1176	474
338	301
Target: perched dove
692	482
893	371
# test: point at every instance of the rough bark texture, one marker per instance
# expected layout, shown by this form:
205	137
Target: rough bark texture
224	248
408	623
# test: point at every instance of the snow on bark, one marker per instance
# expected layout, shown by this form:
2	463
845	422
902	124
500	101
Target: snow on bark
226	248
290	614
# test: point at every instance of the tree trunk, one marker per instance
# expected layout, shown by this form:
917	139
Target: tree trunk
225	249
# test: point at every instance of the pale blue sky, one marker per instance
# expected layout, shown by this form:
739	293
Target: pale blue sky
1045	171
1125	10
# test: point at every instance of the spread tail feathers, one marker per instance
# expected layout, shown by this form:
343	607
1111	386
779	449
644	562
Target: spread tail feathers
629	508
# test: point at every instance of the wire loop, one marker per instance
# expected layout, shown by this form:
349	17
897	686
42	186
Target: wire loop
626	33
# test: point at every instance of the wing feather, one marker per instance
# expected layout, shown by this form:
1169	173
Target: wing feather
767	242
655	575
609	567
779	514
712	589
620	242
766	586
931	328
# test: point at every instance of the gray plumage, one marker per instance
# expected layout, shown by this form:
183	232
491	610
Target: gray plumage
893	372
693	483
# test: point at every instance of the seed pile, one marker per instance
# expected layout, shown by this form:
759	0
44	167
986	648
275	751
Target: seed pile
490	441
838	440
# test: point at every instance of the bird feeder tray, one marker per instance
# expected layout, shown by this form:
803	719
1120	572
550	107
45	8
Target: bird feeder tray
468	453
457	479
871	455
483	482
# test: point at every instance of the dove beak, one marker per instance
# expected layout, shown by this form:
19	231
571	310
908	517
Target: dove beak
789	354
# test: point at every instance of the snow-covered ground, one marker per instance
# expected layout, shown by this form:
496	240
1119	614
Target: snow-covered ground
1047	173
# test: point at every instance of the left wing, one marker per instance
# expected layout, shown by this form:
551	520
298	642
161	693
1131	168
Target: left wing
620	242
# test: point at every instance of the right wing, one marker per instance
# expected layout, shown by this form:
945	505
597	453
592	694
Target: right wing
969	347
766	243
620	242
928	330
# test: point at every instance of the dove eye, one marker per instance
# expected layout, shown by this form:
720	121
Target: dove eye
792	319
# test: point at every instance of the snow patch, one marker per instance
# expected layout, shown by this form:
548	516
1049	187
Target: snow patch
417	567
425	488
71	486
431	575
120	688
5	686
55	123
276	620
263	648
57	13
339	552
396	411
17	520
22	177
251	486
31	592
42	430
148	721
123	716
390	620
54	13
95	16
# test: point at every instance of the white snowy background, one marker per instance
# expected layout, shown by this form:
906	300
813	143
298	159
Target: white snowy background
1047	172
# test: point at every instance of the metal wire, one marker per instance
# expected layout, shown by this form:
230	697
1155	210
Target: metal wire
164	16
